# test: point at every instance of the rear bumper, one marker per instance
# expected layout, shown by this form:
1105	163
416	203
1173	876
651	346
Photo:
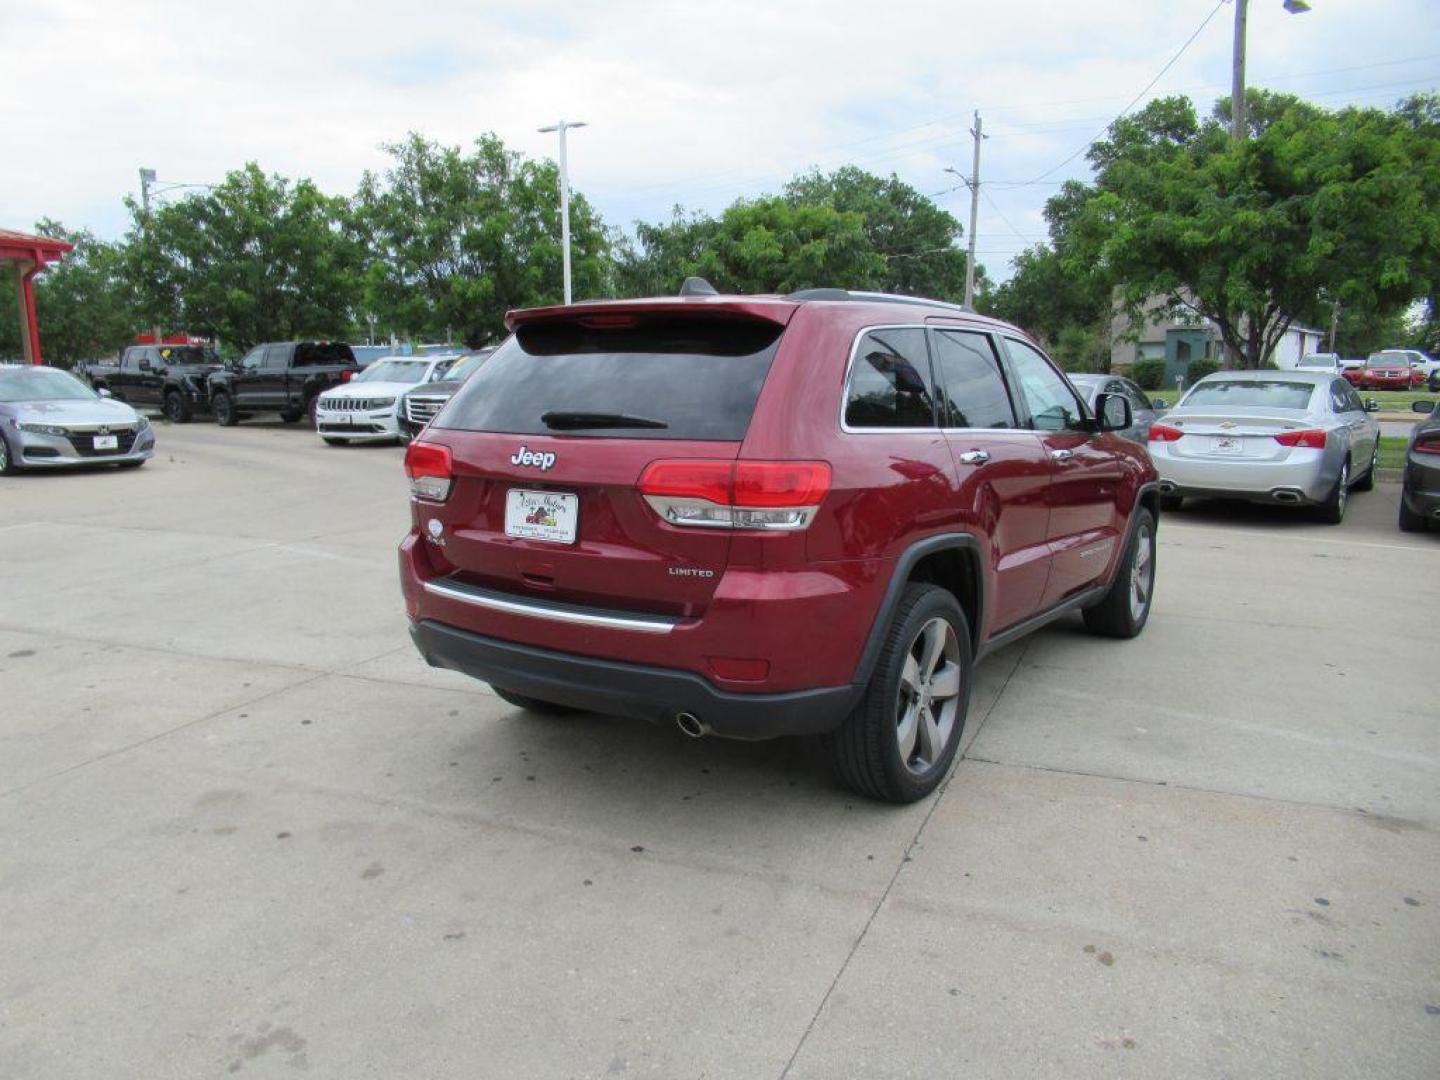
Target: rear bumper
1421	490
1308	477
637	691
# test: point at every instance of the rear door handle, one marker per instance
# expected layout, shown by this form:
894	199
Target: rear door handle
975	457
1061	455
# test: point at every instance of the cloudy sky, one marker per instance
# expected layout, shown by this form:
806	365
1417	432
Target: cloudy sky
693	103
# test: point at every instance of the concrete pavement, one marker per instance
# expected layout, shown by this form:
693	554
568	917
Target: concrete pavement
245	831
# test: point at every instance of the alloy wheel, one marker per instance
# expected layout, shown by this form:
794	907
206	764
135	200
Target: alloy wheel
1142	573
929	696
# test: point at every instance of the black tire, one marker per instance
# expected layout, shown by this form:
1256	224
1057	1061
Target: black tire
331	440
176	409
1117	615
290	416
535	705
1332	510
866	749
7	463
1410	521
224	410
1170	503
1367	482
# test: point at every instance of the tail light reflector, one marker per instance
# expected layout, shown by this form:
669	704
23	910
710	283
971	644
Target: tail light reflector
429	467
768	495
1164	433
1311	438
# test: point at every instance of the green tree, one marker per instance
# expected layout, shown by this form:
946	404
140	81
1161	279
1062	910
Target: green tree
1315	206
456	239
81	302
258	258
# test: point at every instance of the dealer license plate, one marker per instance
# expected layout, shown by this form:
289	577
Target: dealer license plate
107	442
541	515
1226	444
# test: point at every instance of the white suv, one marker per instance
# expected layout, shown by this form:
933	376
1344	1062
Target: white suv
365	408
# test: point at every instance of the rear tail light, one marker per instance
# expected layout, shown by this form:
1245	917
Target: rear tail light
1164	433
770	495
1427	444
1310	438
428	465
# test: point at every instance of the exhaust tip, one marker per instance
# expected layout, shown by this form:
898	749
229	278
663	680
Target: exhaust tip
691	725
1287	496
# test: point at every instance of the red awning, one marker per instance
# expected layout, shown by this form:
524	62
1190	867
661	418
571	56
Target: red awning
26	247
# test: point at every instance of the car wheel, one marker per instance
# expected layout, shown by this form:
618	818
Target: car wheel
1367	482
1170	503
224	410
535	705
289	416
176	408
900	739
1125	608
1332	510
1410	521
7	464
331	440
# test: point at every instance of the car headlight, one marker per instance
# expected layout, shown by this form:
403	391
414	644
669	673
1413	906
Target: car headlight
141	423
383	403
44	429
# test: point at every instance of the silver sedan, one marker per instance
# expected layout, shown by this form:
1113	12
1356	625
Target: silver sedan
50	419
1289	437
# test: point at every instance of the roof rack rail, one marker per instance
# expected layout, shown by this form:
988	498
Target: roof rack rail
877	297
697	286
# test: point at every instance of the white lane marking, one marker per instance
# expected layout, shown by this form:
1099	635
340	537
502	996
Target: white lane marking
1289	537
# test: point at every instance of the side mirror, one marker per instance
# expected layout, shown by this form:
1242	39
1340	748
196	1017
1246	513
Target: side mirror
1371	405
1160	403
106	393
1427	407
1112	412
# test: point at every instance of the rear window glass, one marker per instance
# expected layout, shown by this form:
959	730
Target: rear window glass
316	353
663	378
1248	394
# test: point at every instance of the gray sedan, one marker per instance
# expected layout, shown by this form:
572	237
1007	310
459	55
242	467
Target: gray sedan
1289	437
50	419
1143	411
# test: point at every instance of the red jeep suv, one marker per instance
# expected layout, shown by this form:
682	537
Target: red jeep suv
755	516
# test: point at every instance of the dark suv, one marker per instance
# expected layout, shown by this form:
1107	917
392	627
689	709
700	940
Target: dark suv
763	516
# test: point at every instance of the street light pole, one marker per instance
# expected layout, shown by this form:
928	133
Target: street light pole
1237	63
147	177
561	127
973	183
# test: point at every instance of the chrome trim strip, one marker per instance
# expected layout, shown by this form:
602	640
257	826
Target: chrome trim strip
491	602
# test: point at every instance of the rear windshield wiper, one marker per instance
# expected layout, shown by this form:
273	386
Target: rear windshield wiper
573	421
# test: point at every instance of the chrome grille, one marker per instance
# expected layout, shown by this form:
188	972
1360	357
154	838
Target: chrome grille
420	410
349	404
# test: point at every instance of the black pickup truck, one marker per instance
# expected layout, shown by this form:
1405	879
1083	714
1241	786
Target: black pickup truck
172	378
282	377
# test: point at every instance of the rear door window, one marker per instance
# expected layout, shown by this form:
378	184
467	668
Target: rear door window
653	378
972	390
890	381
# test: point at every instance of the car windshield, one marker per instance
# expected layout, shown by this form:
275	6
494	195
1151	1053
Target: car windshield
1250	394
463	368
42	384
1387	359
1316	361
397	371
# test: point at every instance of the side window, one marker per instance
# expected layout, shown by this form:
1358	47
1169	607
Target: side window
1340	396
1137	397
890	384
275	358
130	360
252	359
1354	398
971	389
1053	405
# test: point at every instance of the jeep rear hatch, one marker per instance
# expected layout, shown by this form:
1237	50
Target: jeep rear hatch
549	439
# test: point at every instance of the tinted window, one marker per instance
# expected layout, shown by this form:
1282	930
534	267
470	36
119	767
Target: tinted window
698	377
1053	405
1137	397
1339	398
275	357
890	384
1250	394
972	391
316	353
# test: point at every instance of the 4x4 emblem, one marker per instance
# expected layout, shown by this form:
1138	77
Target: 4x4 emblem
526	456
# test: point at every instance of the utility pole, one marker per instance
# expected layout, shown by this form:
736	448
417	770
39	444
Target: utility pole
561	127
1237	73
147	177
973	183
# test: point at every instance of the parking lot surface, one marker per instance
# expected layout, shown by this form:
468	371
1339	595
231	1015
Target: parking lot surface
245	831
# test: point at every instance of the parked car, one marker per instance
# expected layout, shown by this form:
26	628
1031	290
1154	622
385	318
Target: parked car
365	355
1292	437
50	419
1143	411
1420	482
282	377
759	516
171	378
1327	363
1388	370
418	406
1421	362
365	409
